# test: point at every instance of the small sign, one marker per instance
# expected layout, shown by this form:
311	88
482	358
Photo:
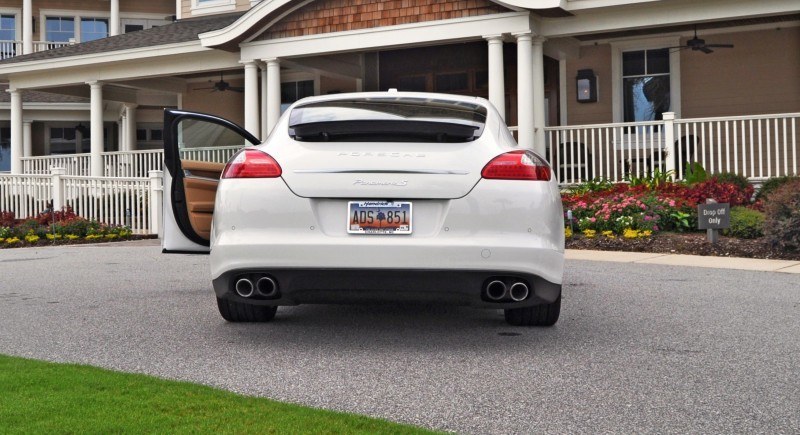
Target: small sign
714	216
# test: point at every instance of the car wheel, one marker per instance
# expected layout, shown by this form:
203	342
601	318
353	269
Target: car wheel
537	315
239	312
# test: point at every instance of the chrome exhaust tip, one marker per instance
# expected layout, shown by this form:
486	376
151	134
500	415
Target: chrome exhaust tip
244	287
266	287
519	291
496	290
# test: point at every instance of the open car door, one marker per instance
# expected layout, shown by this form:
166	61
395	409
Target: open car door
196	148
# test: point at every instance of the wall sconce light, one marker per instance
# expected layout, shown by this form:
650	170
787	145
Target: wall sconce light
586	83
33	24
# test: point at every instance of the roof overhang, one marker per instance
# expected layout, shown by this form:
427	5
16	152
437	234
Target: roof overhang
131	66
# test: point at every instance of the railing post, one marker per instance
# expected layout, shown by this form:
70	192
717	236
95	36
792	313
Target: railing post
669	142
57	187
156	195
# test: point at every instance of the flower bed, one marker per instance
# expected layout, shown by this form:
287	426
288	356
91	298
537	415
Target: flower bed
648	206
59	227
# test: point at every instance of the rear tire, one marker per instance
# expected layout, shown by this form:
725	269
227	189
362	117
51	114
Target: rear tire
239	312
537	315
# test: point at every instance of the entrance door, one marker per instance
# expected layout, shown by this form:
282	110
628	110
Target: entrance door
196	148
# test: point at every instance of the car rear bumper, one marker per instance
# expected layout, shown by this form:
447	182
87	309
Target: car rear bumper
342	286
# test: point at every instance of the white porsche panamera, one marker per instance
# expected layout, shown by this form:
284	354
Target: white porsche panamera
367	197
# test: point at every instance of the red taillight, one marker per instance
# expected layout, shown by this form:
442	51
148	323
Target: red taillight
517	165
252	163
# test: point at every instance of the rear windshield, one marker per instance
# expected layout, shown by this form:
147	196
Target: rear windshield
387	120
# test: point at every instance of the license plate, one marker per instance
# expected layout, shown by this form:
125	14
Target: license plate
379	217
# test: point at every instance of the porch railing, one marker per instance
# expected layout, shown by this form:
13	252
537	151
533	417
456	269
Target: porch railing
134	202
49	45
757	147
9	48
73	164
123	163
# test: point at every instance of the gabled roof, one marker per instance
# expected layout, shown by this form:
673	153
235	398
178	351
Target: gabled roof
268	12
180	31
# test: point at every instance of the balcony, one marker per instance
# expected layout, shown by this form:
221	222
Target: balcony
9	49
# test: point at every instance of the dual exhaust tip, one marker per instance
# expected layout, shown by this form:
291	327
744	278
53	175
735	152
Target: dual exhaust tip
497	291
264	287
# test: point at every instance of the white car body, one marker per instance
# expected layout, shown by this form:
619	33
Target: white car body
467	231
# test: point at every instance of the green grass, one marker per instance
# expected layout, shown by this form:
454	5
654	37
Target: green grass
41	397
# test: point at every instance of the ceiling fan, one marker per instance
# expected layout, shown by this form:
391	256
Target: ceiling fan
222	86
697	44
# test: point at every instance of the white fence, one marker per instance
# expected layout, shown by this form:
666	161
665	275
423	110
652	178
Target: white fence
757	147
134	202
123	163
25	195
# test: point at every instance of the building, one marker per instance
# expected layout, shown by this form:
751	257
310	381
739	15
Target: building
570	76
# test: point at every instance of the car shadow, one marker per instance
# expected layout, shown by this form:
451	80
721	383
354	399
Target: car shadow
417	327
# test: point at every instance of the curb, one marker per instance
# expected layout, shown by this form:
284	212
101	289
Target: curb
753	264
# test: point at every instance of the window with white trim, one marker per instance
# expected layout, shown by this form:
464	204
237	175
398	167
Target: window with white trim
8	27
59	29
212	6
645	84
93	28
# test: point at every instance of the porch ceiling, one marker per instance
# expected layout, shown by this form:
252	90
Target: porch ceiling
629	18
707	25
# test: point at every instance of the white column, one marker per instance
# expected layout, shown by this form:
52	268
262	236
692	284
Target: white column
273	93
264	102
27	26
130	127
113	22
251	115
497	84
538	95
524	91
27	145
16	131
123	128
96	128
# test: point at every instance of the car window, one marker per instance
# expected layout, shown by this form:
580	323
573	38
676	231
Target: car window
387	120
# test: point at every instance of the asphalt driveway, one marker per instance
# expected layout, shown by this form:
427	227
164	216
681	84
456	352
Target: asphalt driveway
639	348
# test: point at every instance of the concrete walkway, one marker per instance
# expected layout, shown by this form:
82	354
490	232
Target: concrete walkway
783	266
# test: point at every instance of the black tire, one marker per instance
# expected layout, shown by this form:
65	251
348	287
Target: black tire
239	312
537	315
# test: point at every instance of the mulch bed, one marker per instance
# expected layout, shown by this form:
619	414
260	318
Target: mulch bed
685	243
63	242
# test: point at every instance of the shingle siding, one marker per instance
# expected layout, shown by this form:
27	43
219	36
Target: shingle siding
326	16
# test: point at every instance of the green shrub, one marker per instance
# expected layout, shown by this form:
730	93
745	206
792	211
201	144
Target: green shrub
29	226
732	178
593	185
746	223
694	173
782	216
773	183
